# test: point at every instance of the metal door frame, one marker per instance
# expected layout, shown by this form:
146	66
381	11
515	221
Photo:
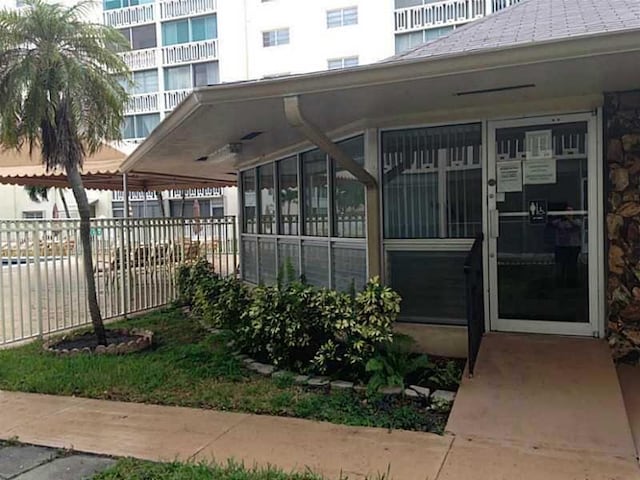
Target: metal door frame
595	326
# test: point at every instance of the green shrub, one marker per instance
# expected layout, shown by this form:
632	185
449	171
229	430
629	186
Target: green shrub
299	327
232	300
189	276
206	295
394	363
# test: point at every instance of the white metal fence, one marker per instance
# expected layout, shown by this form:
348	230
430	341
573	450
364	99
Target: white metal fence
42	282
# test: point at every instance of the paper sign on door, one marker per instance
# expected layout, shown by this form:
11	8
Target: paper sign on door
509	176
539	172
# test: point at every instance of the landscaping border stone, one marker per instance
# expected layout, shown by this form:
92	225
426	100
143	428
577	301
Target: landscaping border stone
143	342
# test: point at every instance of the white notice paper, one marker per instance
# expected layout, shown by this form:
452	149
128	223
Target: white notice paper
540	172
509	176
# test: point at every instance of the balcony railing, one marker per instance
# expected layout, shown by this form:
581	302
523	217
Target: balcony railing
172	98
141	59
181	8
195	193
446	13
142	103
126	17
190	52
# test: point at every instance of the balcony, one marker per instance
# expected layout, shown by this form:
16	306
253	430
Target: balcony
190	52
141	59
446	13
172	98
142	103
182	8
129	16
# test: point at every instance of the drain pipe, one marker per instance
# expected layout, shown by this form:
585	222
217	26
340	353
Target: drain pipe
315	135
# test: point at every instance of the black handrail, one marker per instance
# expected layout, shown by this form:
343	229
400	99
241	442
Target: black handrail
474	279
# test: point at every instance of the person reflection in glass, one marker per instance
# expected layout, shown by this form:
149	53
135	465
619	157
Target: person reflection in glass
568	244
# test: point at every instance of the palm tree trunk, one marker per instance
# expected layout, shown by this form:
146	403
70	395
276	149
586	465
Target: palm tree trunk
64	203
75	181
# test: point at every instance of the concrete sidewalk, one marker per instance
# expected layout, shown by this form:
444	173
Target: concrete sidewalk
169	433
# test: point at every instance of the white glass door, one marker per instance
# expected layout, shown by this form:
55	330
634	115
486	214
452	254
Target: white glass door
542	201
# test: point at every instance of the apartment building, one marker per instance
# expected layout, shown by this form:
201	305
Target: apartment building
179	45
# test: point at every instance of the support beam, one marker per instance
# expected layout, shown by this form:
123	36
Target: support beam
316	136
373	207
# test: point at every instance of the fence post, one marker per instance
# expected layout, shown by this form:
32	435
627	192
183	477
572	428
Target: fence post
36	259
123	282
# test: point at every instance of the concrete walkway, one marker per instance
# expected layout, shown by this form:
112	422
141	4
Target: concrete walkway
541	407
28	462
169	433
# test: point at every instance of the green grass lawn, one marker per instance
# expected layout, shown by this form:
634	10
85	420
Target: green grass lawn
129	469
192	368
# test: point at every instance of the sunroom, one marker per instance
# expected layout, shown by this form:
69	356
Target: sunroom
396	169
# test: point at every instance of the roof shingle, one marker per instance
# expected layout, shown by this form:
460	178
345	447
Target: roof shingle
533	21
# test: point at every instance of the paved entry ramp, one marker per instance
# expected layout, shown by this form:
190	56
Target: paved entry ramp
544	392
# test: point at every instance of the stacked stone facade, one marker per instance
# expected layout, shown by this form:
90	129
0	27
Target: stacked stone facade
622	167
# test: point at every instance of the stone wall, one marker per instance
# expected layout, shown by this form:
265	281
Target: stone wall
622	166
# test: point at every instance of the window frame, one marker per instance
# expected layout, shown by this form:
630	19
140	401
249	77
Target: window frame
277	41
342	11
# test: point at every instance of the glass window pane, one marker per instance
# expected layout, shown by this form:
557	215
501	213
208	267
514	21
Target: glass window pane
206	74
249	263
439	296
349	268
315	194
145	82
351	62
282	36
177	78
267	199
267	261
289	260
175	32
112	4
126	33
349	194
334	18
315	264
128	129
406	41
335	64
146	123
143	37
432	182
204	28
249	201
269	38
289	206
350	16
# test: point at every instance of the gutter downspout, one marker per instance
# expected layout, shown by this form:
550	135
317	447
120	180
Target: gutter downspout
316	136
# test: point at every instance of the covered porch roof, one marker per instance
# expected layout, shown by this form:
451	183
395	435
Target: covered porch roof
218	130
101	171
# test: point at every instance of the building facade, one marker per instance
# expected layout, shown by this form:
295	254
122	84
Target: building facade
180	45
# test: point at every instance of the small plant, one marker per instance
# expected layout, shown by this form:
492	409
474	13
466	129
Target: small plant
393	364
446	376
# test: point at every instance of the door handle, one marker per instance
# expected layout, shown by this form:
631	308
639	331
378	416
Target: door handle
494	223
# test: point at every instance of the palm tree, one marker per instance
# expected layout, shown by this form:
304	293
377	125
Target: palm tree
60	94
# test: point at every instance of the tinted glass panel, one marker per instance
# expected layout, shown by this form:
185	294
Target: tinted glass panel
175	32
315	194
267	199
431	284
143	37
204	28
249	201
177	78
289	206
349	194
205	74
